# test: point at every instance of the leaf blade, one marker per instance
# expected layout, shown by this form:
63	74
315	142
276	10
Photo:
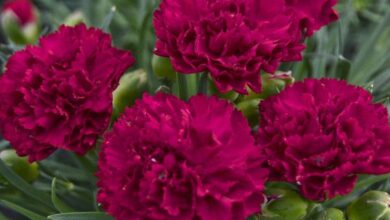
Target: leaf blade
58	204
81	216
108	19
23	186
21	210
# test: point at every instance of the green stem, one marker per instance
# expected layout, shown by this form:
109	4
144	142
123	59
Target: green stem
183	86
203	83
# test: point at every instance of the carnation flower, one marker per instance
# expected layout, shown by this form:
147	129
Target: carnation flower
312	15
235	39
58	95
23	9
320	134
168	159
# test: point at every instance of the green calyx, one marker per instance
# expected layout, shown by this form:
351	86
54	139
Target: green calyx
162	67
17	33
232	96
250	109
20	165
284	204
75	18
272	84
330	214
373	205
131	87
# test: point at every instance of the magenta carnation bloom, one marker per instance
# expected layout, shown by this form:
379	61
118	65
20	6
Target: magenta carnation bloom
23	9
312	15
320	134
235	39
168	159
59	94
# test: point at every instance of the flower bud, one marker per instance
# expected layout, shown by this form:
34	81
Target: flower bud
20	165
272	84
330	214
373	205
75	18
250	109
131	86
162	67
284	204
232	96
11	27
19	22
361	5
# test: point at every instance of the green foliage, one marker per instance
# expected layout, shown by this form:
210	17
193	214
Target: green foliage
58	204
372	205
354	48
81	216
20	165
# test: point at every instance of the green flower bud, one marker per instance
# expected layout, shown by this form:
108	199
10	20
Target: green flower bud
250	109
75	18
131	86
12	28
373	205
162	67
272	84
31	32
18	34
330	214
232	96
284	204
360	5
20	165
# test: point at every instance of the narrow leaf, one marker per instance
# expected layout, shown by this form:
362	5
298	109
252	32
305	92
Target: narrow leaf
58	204
81	216
66	171
368	54
23	186
107	20
343	67
3	217
29	214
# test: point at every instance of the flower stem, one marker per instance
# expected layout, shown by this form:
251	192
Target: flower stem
183	86
203	83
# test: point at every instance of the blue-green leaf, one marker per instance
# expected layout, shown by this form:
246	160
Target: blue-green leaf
108	19
29	214
58	204
66	171
23	186
343	67
81	216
